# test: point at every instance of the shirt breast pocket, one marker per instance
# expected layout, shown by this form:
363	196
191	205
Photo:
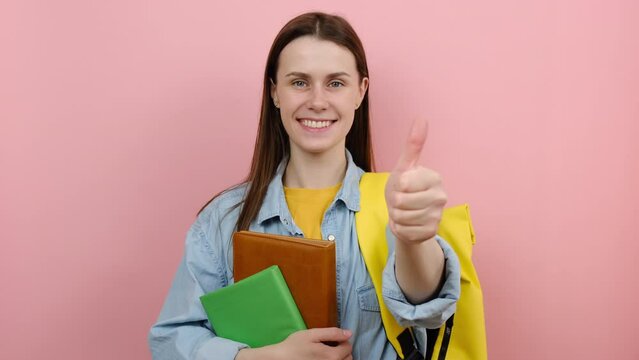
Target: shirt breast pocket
368	298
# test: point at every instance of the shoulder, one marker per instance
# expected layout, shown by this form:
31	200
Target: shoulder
223	211
209	237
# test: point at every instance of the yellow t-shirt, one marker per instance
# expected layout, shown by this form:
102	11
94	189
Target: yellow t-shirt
307	206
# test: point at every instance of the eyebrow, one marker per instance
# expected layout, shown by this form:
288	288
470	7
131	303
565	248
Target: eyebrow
304	75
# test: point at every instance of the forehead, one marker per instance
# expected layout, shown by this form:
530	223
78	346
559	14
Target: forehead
313	56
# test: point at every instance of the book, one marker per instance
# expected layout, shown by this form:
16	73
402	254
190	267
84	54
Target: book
257	311
308	265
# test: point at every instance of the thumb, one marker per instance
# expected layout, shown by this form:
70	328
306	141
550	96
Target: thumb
329	334
414	145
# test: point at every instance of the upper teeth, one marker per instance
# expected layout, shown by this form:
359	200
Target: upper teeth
316	124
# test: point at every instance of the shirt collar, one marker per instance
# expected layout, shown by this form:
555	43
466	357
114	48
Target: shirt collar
274	204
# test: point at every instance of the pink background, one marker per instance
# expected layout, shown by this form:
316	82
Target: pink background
119	119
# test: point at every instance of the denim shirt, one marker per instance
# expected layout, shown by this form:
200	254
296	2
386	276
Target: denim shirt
182	330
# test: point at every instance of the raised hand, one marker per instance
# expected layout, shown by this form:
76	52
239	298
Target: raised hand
414	194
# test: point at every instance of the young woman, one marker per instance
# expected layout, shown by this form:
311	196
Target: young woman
312	147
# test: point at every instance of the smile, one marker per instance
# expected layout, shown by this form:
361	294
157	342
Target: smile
316	124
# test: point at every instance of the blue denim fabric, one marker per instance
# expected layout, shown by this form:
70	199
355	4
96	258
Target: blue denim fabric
182	330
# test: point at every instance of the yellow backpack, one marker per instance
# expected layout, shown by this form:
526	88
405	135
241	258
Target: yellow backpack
468	338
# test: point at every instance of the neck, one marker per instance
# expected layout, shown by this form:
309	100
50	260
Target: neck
315	171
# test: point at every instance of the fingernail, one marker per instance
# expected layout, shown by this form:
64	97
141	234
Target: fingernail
347	332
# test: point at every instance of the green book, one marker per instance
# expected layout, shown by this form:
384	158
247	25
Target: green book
258	310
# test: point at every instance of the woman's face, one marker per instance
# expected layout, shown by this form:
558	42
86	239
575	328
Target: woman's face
317	91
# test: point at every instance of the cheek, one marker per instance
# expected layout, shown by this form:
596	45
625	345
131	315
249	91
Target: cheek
287	108
348	102
346	108
291	100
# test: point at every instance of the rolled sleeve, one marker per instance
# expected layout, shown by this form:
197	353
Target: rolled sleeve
431	314
219	348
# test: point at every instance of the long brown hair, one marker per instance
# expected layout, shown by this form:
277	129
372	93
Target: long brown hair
272	143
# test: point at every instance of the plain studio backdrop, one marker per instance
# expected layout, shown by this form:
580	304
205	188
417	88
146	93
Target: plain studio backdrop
120	119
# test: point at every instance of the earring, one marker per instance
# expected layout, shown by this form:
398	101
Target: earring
277	105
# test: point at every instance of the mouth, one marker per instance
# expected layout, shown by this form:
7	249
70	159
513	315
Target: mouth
315	124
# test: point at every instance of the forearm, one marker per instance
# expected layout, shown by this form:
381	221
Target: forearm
419	269
263	353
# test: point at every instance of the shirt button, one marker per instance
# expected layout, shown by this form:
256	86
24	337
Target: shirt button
331	237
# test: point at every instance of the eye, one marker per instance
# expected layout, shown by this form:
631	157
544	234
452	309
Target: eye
335	84
298	83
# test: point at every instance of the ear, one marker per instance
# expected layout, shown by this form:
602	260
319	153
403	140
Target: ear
363	87
273	92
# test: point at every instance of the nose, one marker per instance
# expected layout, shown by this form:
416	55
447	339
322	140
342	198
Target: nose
317	100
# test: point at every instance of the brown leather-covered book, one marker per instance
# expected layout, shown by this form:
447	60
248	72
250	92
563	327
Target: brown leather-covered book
308	267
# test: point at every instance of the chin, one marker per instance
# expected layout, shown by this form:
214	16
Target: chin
316	149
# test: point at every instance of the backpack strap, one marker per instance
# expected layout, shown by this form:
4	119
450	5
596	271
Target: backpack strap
370	222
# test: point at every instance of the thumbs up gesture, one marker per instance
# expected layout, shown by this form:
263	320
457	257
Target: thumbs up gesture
414	195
